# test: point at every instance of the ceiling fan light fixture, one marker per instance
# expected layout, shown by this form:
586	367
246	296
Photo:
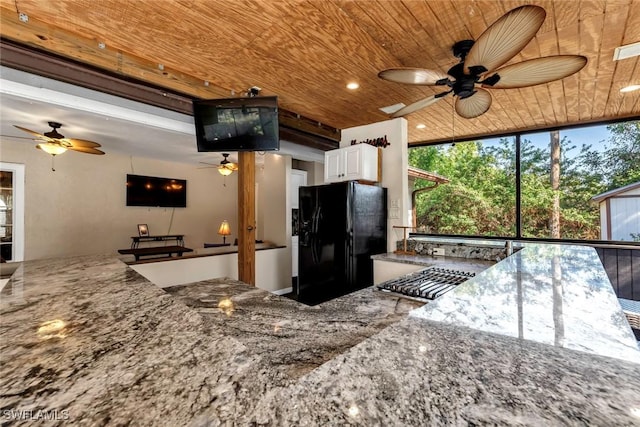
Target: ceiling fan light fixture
224	171
226	167
51	148
353	85
55	143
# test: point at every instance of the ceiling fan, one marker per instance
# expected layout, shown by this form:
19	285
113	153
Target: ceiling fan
480	61
225	167
55	143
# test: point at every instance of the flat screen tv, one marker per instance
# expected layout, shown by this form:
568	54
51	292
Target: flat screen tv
156	191
237	124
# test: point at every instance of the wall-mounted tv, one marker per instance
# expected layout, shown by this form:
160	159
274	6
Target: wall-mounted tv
156	191
237	124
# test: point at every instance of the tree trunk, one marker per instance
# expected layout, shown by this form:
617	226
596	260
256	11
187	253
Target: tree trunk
554	221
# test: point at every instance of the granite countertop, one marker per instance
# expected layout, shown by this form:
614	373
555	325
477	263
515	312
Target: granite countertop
553	294
90	338
467	264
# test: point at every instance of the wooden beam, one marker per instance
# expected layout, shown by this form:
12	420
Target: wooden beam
303	124
247	217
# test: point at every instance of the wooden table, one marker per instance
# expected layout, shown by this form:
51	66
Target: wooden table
157	250
179	238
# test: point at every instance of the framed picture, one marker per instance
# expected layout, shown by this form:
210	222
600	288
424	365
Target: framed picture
143	230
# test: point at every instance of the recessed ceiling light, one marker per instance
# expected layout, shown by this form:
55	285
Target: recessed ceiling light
626	51
352	86
421	126
630	88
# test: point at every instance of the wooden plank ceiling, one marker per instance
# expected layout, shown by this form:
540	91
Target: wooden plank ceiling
306	51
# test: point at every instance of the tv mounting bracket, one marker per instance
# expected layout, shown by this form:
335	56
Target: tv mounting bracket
253	91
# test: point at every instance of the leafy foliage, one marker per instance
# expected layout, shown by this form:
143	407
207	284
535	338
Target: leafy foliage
480	198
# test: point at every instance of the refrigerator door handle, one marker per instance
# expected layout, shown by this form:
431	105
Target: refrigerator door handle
316	244
349	236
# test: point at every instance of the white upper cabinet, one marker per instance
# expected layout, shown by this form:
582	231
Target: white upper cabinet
355	162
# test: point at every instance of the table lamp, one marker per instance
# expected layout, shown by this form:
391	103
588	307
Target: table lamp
224	231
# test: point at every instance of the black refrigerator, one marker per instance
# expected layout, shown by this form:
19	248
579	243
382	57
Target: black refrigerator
340	226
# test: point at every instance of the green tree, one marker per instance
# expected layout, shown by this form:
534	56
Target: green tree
480	199
475	199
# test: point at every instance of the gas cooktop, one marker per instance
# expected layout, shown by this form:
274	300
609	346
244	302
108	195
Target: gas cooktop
427	284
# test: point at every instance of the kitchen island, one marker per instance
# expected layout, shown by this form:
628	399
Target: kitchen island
89	340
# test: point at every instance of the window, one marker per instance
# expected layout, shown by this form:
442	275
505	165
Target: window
575	184
11	212
479	198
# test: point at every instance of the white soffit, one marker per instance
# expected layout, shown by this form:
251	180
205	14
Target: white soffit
116	109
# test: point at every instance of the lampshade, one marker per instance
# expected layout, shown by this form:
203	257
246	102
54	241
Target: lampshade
224	229
51	148
225	171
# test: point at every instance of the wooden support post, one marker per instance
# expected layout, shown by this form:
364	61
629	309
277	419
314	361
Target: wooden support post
404	250
247	217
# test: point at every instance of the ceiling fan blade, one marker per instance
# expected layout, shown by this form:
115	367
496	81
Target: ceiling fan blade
73	142
230	166
34	133
505	38
418	105
475	105
412	76
538	71
17	137
86	150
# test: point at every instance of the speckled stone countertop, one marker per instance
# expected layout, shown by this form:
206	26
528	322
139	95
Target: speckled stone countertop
553	294
429	261
90	341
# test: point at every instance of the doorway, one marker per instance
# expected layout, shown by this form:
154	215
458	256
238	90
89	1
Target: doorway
11	212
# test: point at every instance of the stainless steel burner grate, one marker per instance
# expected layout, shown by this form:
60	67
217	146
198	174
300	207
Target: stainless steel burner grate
429	283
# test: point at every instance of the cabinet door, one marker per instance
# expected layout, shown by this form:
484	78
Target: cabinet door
333	166
361	163
353	162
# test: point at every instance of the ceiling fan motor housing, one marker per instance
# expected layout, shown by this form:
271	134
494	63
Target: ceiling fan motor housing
54	133
461	48
464	84
465	87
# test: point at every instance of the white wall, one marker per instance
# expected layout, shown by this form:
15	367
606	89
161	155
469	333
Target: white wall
315	171
395	159
273	202
274	216
386	270
80	208
625	217
194	269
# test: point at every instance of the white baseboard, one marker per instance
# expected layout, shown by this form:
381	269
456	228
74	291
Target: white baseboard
282	291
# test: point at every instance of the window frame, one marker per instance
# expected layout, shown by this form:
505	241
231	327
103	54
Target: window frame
18	232
518	196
